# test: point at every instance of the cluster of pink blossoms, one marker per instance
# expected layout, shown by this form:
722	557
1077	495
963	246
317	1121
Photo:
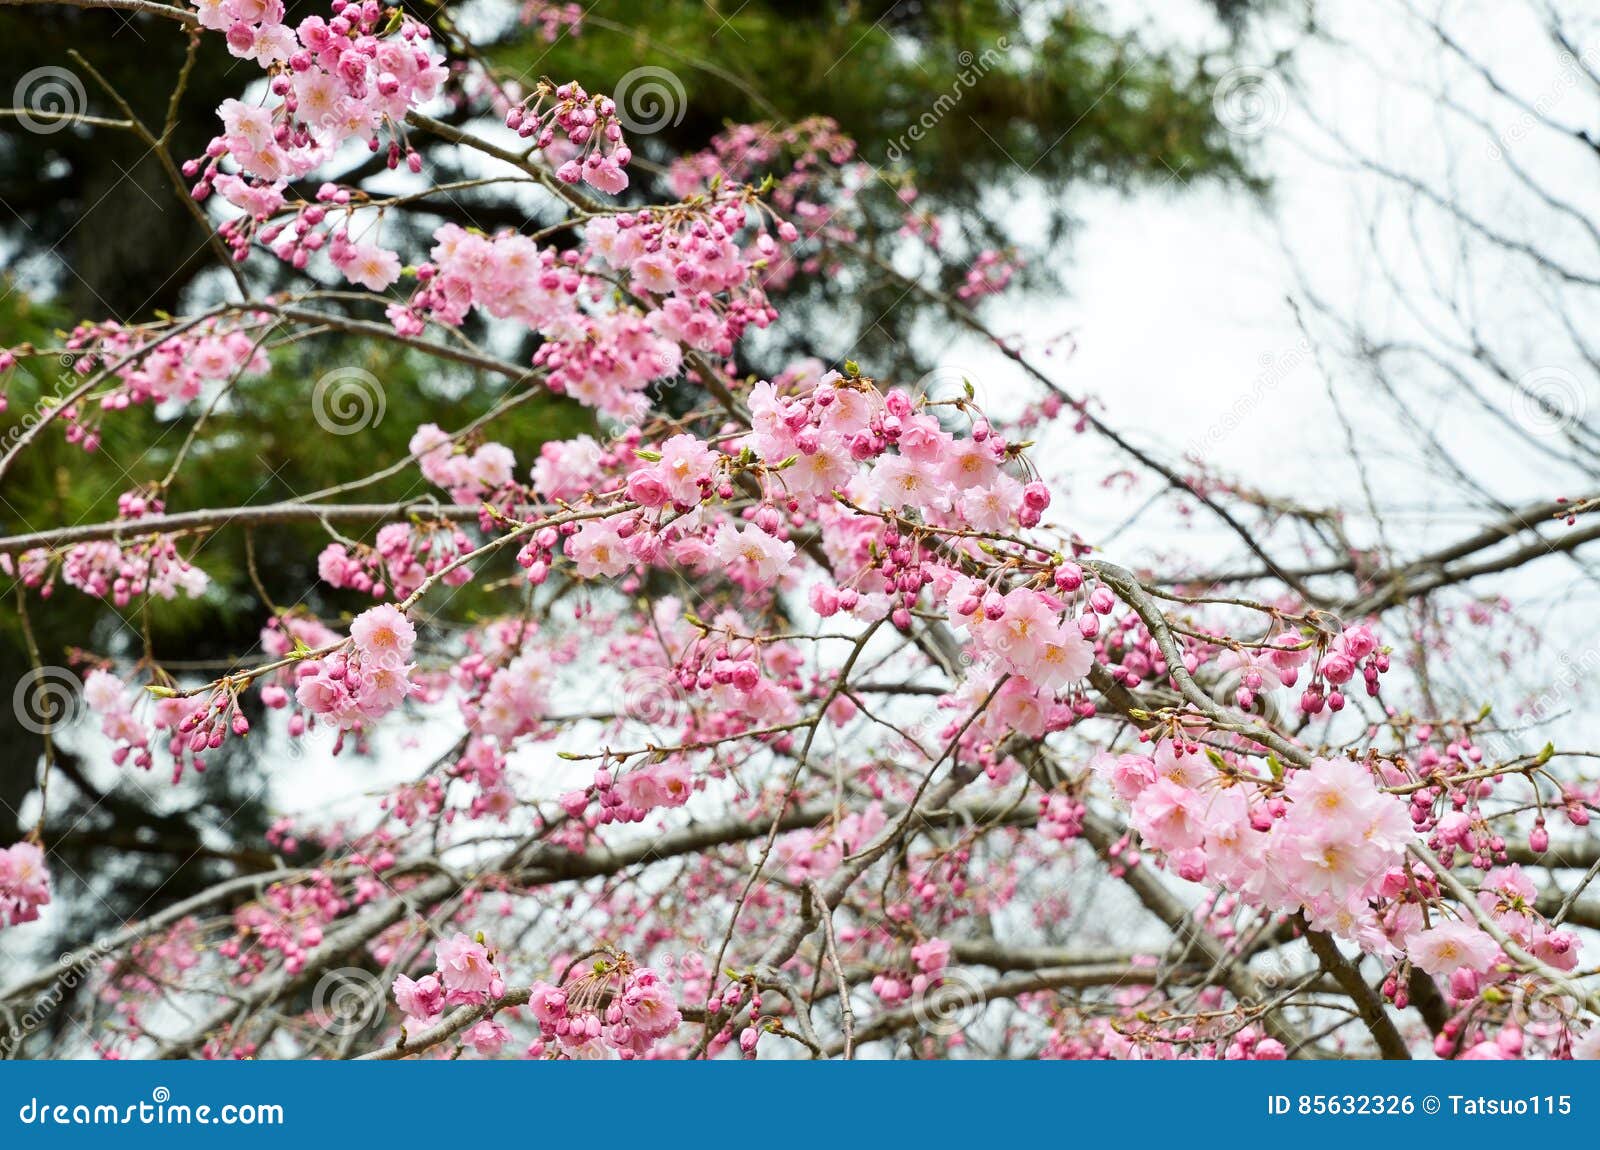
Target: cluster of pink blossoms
194	724
1023	631
369	678
990	274
604	358
1138	1036
687	265
333	80
1329	842
814	181
470	476
681	472
285	636
119	570
632	797
691	265
590	133
400	560
336	79
738	683
1265	668
567	469
507	275
552	18
106	697
613	1007
176	367
141	366
1325	844
1355	649
466	976
511	701
24	883
505	688
287	922
616	1007
928	959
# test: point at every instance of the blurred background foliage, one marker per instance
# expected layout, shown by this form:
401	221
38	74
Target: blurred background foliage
1020	98
93	229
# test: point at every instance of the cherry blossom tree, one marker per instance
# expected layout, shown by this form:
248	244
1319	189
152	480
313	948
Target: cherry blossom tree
806	724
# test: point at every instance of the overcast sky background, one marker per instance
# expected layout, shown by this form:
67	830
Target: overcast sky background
1178	302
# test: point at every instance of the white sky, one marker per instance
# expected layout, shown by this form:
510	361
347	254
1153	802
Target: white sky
1183	334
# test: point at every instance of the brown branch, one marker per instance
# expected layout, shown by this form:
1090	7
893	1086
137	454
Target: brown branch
191	521
148	7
